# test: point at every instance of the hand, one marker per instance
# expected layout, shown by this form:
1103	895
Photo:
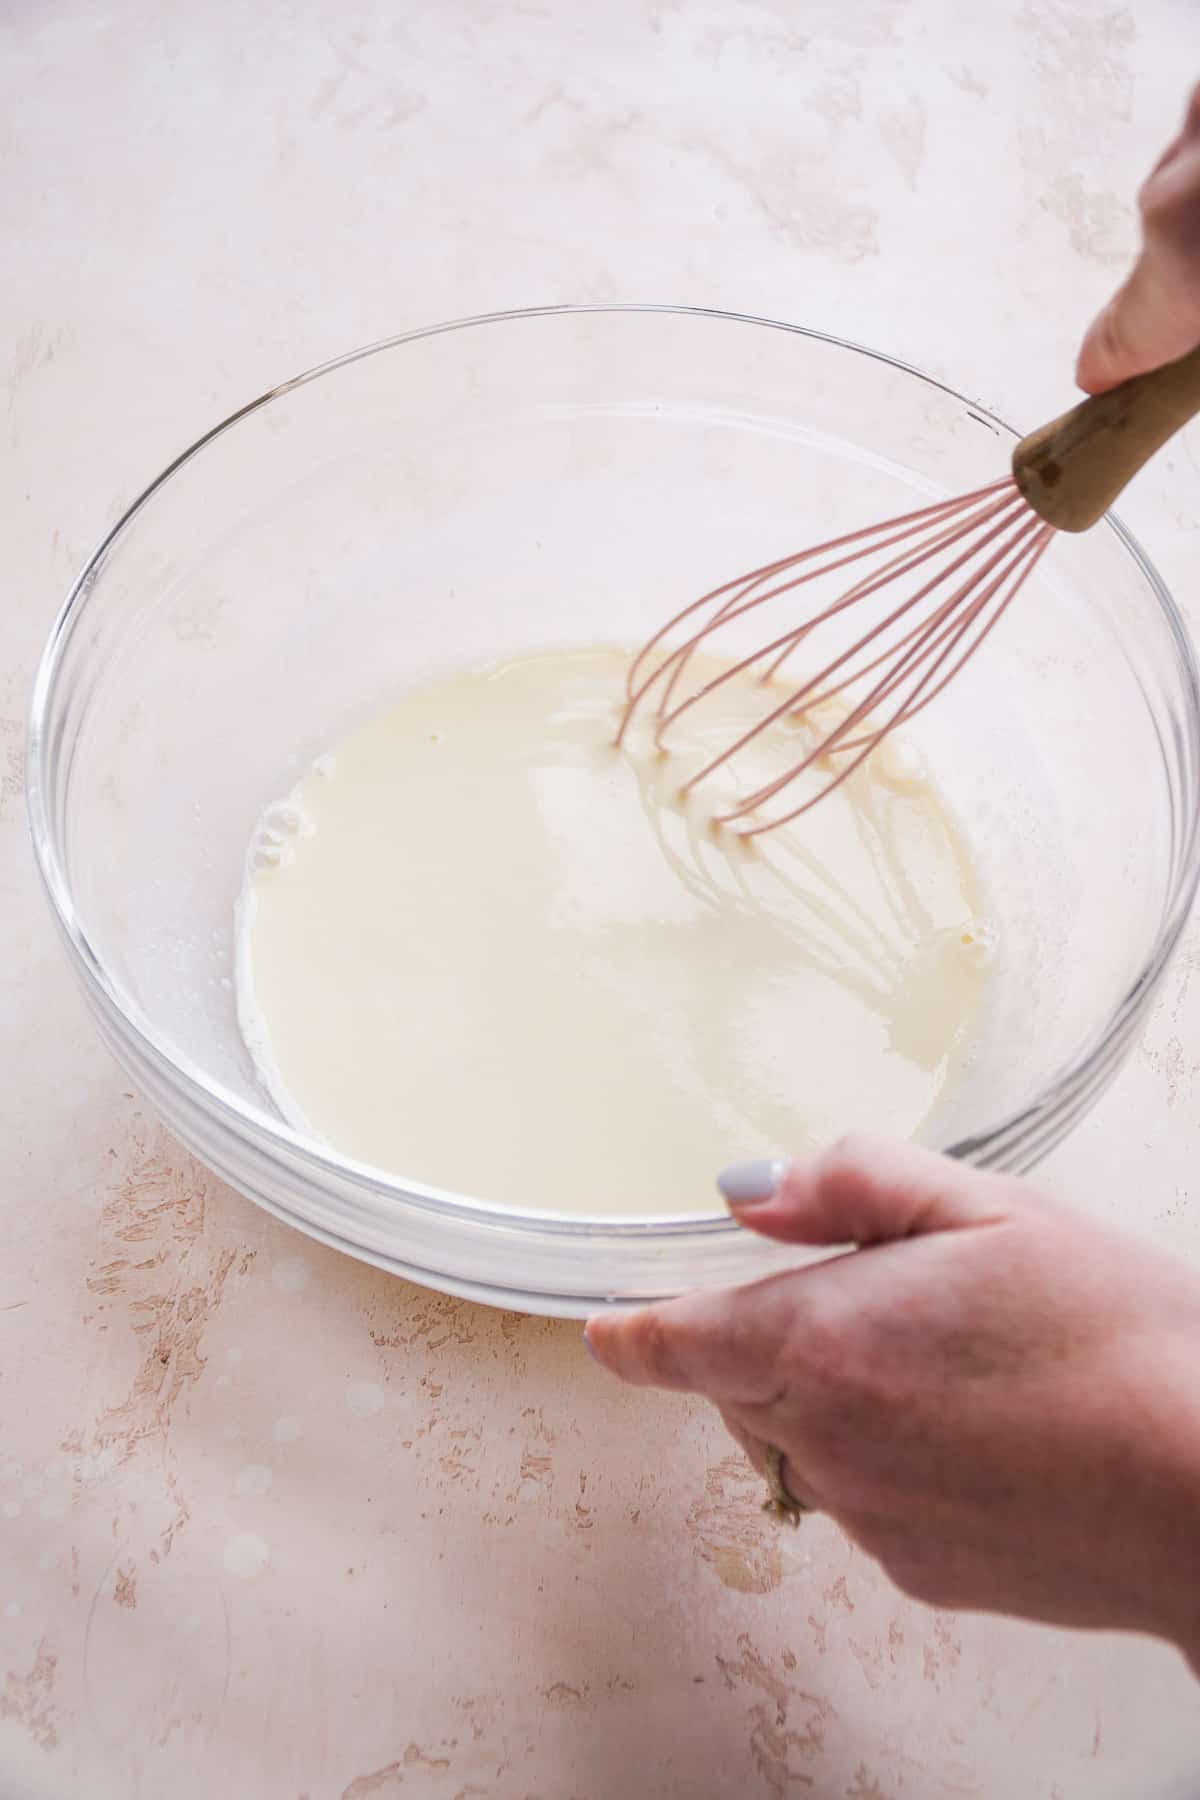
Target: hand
1155	316
997	1399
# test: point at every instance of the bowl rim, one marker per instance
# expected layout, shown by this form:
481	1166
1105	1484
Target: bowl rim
1064	1094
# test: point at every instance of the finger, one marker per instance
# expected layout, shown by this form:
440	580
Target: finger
1170	208
756	1455
1191	123
1188	133
1105	358
726	1345
1154	317
1150	320
752	1447
863	1190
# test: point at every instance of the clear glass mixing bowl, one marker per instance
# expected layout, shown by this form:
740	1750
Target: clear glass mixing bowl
556	476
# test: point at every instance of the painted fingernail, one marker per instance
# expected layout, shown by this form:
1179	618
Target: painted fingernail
588	1346
750	1183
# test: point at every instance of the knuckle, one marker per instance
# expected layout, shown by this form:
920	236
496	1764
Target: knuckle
846	1164
1111	337
1191	124
1159	202
846	1394
1170	198
826	1350
921	1578
656	1348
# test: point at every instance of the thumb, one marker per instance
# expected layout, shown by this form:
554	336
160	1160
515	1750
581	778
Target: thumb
1154	317
864	1190
1148	322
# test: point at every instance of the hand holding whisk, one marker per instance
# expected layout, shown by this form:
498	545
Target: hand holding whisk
942	576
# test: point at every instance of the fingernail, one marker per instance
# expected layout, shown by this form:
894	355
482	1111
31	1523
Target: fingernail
750	1183
587	1344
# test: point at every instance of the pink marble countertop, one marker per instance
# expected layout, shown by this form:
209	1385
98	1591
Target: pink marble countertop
276	1525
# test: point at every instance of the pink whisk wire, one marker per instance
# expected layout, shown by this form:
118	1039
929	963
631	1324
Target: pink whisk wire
913	522
990	527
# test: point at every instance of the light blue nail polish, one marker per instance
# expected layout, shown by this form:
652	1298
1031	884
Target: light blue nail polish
750	1183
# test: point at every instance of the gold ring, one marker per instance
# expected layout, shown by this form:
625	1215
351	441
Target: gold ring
779	1504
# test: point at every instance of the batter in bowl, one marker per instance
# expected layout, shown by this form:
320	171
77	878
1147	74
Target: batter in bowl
480	948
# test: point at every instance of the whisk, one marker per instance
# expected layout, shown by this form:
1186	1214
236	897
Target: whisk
946	574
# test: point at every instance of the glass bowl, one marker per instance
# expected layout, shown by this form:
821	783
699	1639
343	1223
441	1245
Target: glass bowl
558	476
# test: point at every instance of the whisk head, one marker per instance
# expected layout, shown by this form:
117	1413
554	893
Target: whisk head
940	579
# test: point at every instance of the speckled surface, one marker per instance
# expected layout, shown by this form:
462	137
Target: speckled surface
275	1524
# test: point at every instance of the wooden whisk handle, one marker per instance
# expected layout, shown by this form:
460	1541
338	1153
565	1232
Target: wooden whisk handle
1072	470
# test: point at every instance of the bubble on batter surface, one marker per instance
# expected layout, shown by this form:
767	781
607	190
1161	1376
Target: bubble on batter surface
900	764
978	941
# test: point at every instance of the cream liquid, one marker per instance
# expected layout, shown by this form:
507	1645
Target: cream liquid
480	948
